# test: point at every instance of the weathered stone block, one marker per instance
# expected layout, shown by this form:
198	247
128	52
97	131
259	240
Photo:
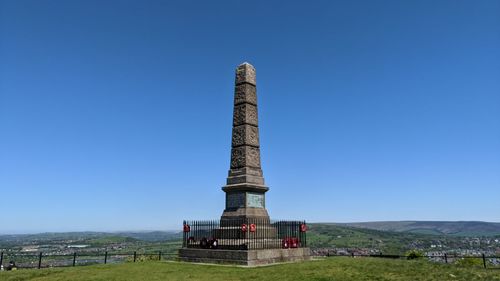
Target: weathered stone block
245	171
244	156
245	114
245	179
245	135
245	93
260	213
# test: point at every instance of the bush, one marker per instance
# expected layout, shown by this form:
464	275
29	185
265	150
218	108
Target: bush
143	257
414	254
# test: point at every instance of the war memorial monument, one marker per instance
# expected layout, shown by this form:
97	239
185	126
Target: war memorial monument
245	234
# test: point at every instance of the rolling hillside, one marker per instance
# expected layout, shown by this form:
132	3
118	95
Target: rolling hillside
456	228
387	237
340	236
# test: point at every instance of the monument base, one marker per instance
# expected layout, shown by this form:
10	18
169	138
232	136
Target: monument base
244	257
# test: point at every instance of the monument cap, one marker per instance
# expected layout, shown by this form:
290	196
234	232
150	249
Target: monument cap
245	73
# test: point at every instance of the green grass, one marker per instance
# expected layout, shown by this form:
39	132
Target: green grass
338	269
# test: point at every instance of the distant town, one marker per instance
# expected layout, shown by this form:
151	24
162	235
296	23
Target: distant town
63	249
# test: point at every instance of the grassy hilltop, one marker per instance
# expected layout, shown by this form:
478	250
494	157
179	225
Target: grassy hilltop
339	269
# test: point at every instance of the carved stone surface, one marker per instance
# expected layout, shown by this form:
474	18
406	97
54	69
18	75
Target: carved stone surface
245	114
245	73
245	93
238	157
238	138
245	156
245	135
253	157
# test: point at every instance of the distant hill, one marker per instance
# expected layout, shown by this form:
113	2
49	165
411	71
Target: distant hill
399	237
328	235
98	237
455	228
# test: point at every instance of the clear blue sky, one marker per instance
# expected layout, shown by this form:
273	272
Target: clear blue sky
116	115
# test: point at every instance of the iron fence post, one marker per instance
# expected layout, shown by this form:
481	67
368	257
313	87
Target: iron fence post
1	259
484	261
184	235
159	255
106	257
40	260
74	258
305	235
135	255
445	258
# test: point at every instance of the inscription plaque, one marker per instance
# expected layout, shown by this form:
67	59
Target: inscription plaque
255	200
235	200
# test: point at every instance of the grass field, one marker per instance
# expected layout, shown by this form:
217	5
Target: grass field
339	268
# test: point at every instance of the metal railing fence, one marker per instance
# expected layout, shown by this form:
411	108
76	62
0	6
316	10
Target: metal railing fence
244	234
43	260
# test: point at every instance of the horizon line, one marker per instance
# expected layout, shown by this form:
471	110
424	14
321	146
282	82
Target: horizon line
180	230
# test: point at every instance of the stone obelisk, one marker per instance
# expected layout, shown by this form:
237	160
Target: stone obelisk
245	188
245	234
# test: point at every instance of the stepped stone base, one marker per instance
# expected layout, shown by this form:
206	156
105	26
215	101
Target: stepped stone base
244	257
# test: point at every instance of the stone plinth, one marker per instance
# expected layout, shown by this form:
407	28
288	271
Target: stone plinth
244	257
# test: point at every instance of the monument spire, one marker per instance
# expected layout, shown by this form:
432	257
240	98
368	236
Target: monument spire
245	185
